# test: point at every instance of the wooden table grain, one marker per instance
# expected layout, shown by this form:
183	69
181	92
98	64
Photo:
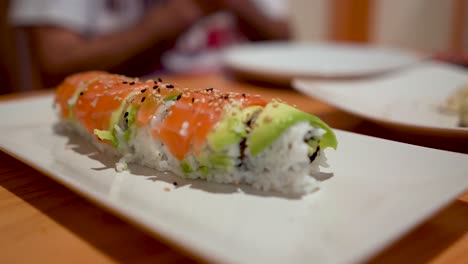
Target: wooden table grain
43	222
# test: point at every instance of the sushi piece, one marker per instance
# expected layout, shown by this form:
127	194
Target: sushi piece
197	134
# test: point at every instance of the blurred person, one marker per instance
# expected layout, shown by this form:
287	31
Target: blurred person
137	37
235	21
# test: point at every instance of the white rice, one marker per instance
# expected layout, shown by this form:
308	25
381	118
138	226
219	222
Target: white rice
284	166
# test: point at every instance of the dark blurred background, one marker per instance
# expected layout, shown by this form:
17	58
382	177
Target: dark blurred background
41	44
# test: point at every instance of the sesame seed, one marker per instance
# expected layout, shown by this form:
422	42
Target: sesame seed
243	95
81	93
178	97
144	90
175	183
132	83
124	82
126	114
209	89
154	87
159	79
143	99
170	86
183	129
159	90
193	100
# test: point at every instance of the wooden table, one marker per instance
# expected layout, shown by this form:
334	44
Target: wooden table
43	222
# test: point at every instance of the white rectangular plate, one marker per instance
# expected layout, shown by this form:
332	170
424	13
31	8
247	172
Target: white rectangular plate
380	190
409	100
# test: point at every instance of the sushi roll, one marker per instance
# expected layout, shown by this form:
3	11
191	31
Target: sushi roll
197	134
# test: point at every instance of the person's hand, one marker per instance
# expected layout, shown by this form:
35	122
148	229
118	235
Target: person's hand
171	18
254	22
236	6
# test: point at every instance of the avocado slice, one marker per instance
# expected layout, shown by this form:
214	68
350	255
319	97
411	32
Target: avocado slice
232	128
112	134
275	118
131	117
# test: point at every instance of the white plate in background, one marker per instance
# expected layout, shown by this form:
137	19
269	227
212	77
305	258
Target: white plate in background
283	61
354	215
408	100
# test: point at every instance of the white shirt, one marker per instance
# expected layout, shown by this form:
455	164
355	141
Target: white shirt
88	17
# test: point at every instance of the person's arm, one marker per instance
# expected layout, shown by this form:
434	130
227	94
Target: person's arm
255	23
61	51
